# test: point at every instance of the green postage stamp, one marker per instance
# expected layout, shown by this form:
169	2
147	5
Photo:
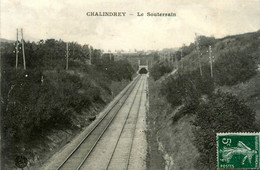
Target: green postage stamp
238	150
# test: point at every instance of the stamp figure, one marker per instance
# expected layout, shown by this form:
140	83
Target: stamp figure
238	150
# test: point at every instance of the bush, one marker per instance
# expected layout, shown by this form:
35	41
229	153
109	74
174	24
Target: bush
222	113
204	41
32	104
18	108
159	69
187	87
116	70
233	67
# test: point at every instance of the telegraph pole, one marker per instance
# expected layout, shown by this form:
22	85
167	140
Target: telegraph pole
17	50
139	63
211	60
198	51
181	60
171	59
67	56
24	64
176	61
90	55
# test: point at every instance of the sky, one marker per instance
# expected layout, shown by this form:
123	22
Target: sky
67	20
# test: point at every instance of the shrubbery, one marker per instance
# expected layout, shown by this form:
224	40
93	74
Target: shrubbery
33	104
215	112
221	113
45	96
204	41
236	58
116	70
159	69
233	67
187	87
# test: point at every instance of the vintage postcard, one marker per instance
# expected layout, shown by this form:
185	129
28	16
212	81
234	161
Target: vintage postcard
138	85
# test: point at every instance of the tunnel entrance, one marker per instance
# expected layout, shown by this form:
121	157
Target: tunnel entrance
143	71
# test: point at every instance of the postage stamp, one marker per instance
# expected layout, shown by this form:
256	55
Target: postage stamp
238	150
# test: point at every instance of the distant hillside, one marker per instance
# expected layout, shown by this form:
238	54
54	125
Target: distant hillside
5	40
248	43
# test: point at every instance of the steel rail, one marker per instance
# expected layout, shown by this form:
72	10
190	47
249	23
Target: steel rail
130	150
131	88
85	158
111	157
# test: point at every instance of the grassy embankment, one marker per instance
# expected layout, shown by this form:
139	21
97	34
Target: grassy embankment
45	106
187	109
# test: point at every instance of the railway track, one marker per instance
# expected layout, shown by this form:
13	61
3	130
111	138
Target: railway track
118	159
83	150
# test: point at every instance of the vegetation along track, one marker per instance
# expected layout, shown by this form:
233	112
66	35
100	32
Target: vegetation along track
81	152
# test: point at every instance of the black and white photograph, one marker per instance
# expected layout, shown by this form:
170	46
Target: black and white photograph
129	85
